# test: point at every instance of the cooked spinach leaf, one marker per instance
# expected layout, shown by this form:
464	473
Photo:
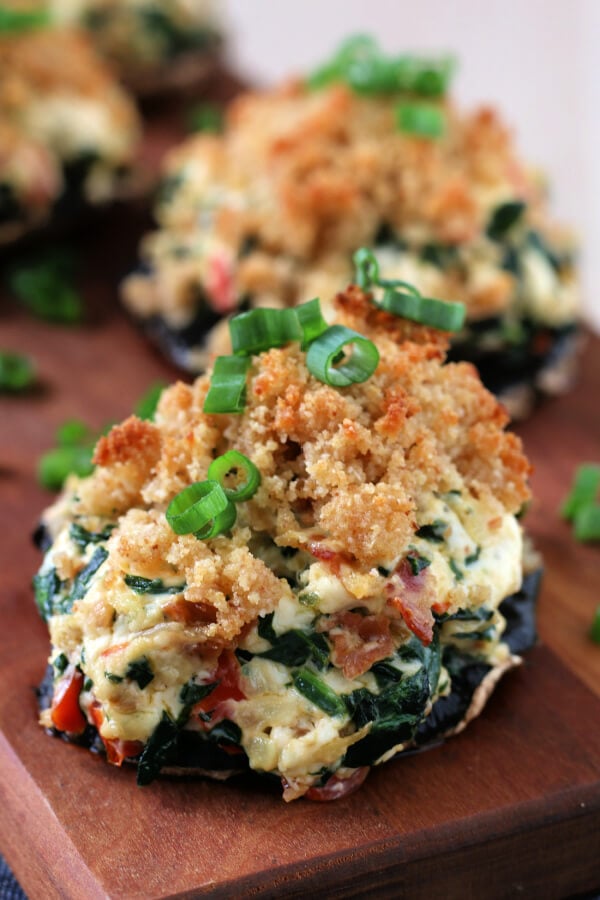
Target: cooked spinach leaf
60	663
473	557
417	562
190	694
458	573
504	217
226	732
82	537
318	692
82	581
481	614
46	585
395	713
296	647
265	628
114	679
140	670
158	751
152	585
434	531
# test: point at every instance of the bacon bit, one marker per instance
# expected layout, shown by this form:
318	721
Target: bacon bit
338	787
189	613
117	750
495	523
359	641
116	648
219	284
228	688
334	558
405	593
418	617
66	714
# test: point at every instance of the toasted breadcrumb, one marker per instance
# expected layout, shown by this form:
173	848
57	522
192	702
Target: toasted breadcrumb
308	176
342	471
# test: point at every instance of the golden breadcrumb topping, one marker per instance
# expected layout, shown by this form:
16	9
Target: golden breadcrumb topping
300	178
343	472
60	104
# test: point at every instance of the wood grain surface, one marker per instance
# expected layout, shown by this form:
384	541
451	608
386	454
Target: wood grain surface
511	807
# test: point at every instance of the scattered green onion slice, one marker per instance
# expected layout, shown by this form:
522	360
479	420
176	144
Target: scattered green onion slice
227	391
260	329
367	268
203	509
426	310
56	465
73	433
17	372
235	463
325	352
205	117
421	119
146	406
595	627
15	21
362	65
584	491
311	321
587	523
45	287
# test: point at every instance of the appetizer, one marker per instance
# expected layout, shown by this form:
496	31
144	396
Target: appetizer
156	45
369	150
309	561
68	132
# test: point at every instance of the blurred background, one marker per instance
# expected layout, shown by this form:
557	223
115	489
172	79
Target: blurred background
537	61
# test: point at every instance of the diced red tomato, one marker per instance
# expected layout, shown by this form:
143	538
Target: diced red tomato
338	787
117	750
228	688
219	284
66	714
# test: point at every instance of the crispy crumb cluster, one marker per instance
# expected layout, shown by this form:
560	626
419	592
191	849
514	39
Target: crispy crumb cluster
301	178
343	472
60	107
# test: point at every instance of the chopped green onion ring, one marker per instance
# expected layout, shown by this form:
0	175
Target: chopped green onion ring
260	329
587	523
202	509
421	119
595	627
18	20
227	391
234	461
311	321
367	268
427	310
584	491
363	66
324	352
145	408
56	465
17	372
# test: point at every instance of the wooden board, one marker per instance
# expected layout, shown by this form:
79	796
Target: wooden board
511	806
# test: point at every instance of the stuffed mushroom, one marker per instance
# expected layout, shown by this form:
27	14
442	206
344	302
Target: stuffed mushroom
368	151
309	562
68	132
